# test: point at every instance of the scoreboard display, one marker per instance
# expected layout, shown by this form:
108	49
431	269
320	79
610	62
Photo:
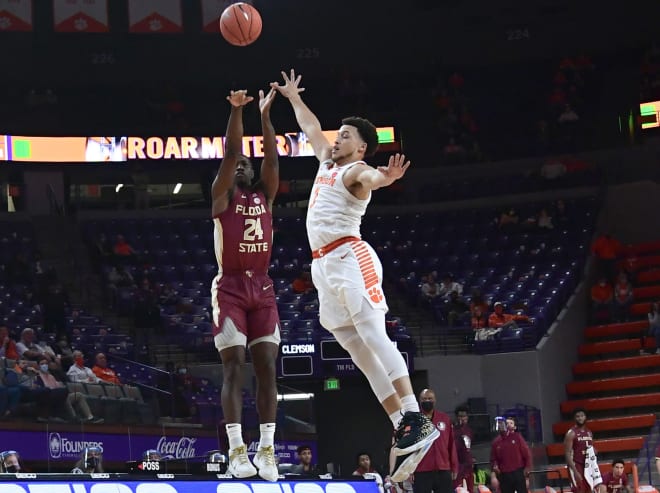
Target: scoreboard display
326	358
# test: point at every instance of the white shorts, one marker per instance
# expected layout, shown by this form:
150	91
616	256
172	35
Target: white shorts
344	277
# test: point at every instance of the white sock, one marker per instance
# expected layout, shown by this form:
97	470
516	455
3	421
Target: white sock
267	431
395	417
234	434
409	403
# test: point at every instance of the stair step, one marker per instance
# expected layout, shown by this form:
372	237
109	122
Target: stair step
649	276
609	424
617	346
609	403
640	308
620	329
646	292
602	446
612	384
614	364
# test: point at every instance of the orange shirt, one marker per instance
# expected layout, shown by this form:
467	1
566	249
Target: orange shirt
106	374
602	294
606	248
495	320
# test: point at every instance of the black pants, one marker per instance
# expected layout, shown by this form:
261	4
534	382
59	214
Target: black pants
513	481
433	481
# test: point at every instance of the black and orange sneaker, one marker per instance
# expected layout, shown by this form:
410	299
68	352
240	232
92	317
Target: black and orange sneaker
414	432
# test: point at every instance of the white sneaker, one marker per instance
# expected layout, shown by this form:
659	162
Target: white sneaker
265	461
239	463
406	464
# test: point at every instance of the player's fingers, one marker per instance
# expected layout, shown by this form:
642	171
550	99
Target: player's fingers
293	74
261	93
405	166
286	79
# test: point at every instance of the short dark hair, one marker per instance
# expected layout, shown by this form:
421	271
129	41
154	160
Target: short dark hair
618	461
461	409
579	410
359	454
302	448
367	132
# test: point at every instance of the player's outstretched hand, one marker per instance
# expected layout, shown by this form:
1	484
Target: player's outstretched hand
291	85
396	167
239	98
266	101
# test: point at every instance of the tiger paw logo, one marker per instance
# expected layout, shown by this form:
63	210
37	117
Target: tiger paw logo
375	295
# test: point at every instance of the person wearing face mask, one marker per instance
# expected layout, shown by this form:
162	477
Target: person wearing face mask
91	461
79	372
9	462
57	391
510	457
439	467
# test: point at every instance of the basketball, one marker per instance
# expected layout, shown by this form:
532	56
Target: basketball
240	24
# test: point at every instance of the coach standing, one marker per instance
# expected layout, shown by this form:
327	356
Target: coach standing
510	458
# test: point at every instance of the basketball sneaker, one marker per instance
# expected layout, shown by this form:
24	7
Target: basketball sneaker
265	461
414	432
239	463
405	465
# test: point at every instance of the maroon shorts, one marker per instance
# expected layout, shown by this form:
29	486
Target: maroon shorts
248	300
581	486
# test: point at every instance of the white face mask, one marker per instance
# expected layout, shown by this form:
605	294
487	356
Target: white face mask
44	368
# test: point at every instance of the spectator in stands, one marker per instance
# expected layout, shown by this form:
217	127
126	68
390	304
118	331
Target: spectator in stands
49	403
79	372
606	249
102	370
167	296
303	283
510	458
91	461
71	400
305	466
616	481
456	309
545	220
602	299
29	350
123	250
654	326
365	469
623	297
500	320
478	310
508	220
430	289
631	266
63	347
7	344
448	285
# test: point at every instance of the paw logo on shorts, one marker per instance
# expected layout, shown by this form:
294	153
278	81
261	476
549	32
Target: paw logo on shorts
375	295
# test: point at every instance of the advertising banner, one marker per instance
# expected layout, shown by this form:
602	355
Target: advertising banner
15	15
155	16
80	16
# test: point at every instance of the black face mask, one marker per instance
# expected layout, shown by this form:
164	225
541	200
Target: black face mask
427	406
12	468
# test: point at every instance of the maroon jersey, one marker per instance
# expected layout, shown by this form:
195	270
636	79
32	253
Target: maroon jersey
244	233
509	452
583	439
442	454
463	436
615	485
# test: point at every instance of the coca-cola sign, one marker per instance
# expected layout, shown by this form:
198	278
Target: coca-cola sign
178	448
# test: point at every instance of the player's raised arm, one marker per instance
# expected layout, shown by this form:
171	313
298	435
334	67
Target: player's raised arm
306	119
369	178
270	167
224	180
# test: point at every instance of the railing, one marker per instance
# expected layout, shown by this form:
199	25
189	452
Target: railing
55	206
646	460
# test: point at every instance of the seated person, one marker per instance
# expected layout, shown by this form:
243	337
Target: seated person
448	285
616	481
305	466
9	462
102	371
365	470
500	320
91	461
78	372
456	309
602	299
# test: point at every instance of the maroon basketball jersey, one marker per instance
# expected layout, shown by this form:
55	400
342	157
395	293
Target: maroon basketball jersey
243	234
583	440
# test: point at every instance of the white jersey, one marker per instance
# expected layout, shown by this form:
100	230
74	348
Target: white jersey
333	211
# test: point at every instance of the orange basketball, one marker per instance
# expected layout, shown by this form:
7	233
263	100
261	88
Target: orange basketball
240	24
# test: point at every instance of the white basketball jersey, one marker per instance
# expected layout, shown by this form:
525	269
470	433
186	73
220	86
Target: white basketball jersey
333	212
